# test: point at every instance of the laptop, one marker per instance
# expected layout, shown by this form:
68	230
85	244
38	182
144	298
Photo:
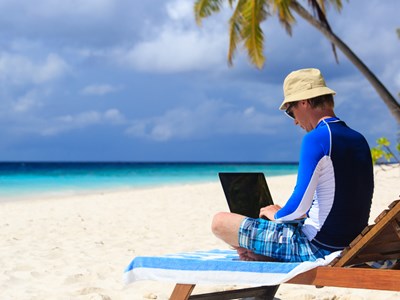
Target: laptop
245	192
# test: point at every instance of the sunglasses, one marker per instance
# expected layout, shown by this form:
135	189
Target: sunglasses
288	110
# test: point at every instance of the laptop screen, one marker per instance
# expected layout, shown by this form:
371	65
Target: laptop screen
246	193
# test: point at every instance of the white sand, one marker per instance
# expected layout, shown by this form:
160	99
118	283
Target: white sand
77	246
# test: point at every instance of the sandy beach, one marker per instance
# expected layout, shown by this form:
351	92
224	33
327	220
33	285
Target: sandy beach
76	246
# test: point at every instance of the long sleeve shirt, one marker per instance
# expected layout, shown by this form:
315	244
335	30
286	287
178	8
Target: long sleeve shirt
334	185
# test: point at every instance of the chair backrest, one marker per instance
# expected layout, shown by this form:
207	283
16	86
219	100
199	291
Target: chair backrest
380	241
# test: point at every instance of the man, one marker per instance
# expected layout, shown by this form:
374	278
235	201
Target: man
333	191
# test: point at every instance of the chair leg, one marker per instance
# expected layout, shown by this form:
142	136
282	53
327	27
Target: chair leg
182	291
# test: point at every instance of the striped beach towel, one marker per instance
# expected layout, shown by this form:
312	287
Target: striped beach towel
215	267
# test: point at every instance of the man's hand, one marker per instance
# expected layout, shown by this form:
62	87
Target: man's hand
269	211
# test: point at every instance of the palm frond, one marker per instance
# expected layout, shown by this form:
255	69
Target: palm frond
205	8
286	18
337	4
253	14
321	4
235	29
231	2
321	14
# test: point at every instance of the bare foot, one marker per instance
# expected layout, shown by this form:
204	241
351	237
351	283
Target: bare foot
248	255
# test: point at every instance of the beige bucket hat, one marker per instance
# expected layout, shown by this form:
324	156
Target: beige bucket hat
304	84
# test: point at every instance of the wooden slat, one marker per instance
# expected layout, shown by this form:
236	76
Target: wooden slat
344	252
376	279
393	204
381	215
334	261
356	240
366	229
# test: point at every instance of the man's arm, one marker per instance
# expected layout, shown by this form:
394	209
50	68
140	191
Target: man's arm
312	158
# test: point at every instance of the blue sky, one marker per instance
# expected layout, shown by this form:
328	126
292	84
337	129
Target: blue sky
129	80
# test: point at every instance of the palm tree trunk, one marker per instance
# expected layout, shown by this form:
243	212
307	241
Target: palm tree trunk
388	99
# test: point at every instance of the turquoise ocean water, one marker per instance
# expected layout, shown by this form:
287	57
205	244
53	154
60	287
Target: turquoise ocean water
27	178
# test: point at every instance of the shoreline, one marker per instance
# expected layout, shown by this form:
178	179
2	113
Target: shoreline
87	191
76	247
18	180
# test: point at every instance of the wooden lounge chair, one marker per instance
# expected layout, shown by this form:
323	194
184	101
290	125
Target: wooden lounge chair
380	241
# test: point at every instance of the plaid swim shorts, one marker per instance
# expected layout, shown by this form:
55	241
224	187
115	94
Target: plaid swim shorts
281	241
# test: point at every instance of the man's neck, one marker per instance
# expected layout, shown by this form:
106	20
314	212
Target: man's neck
323	114
326	117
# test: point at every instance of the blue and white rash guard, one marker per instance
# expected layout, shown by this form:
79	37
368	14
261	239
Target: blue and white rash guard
334	185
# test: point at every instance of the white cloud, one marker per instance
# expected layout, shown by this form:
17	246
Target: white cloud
180	9
114	116
73	7
249	111
176	50
99	89
19	69
178	45
178	122
81	120
27	102
52	68
208	118
57	8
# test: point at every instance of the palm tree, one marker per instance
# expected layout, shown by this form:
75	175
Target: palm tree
249	14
